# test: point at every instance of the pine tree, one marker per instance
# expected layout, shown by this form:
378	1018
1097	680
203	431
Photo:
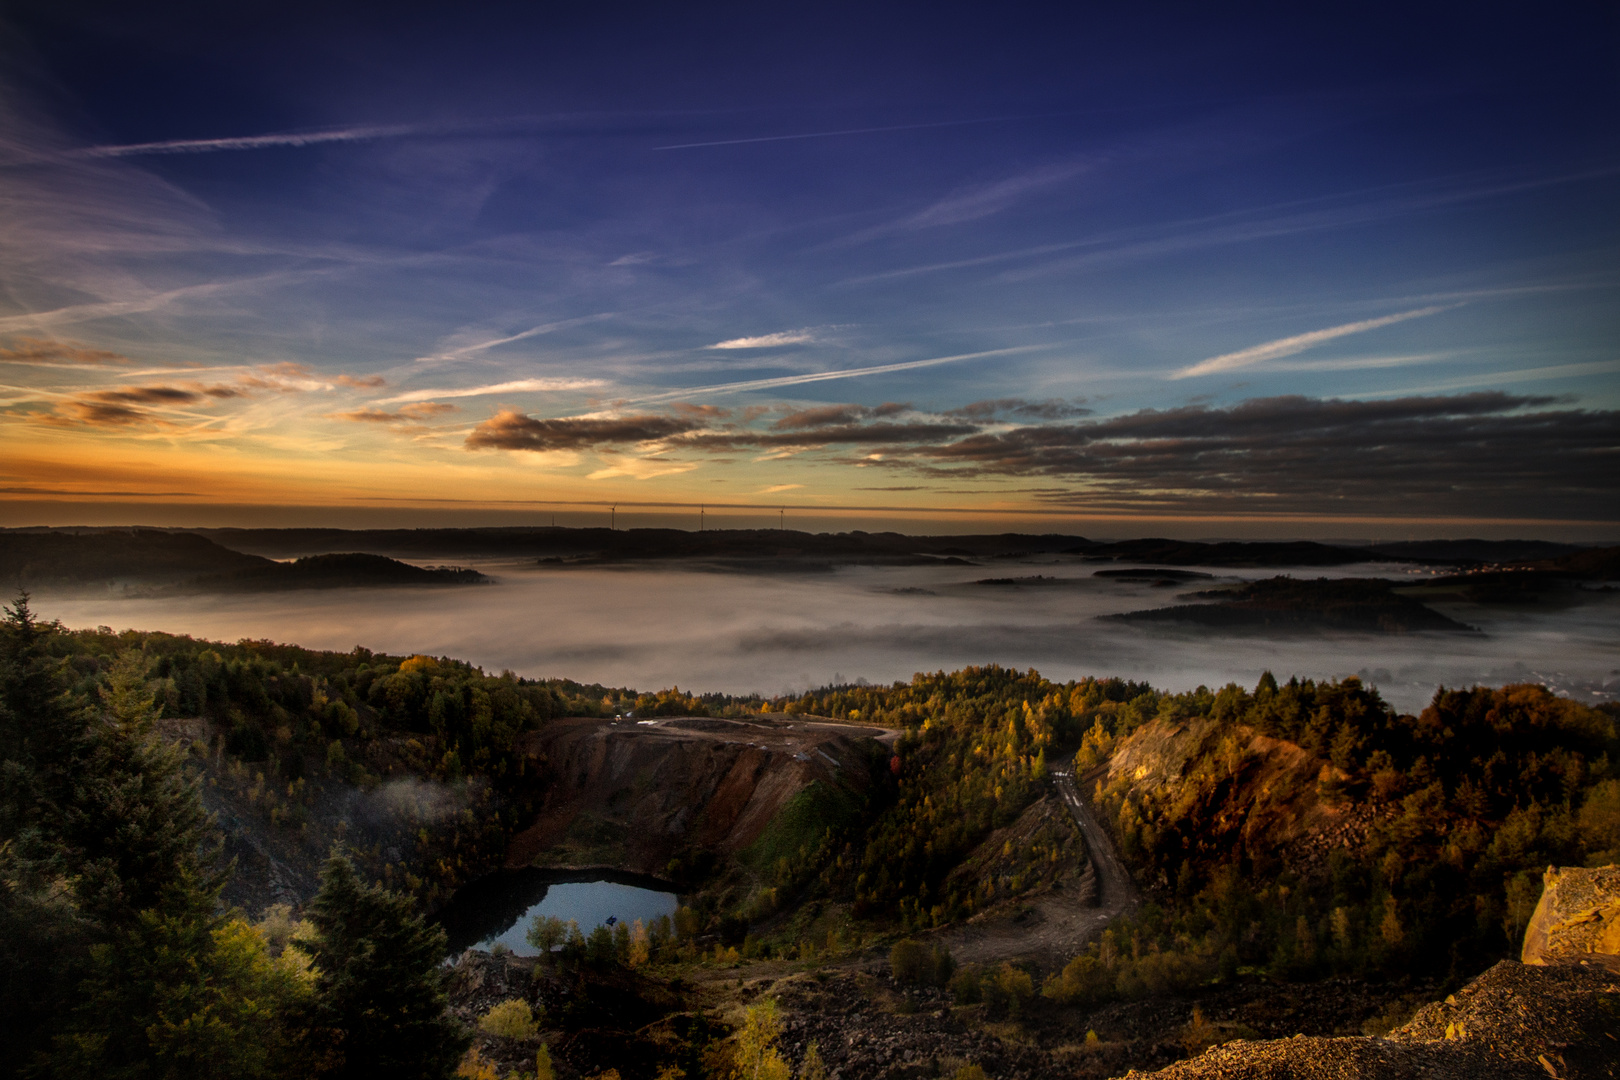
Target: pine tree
380	1001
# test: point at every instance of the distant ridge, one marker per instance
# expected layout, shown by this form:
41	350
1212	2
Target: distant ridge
147	560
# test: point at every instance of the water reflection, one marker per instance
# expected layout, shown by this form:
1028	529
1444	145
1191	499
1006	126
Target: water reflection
499	908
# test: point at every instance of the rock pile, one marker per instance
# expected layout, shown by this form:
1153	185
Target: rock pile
1577	919
1556	1015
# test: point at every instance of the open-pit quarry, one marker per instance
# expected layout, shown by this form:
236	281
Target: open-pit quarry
650	795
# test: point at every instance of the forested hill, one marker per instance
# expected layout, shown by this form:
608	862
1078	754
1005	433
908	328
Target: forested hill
158	559
1290	833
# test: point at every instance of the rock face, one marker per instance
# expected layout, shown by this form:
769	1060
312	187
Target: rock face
1577	919
631	794
1555	1015
1166	765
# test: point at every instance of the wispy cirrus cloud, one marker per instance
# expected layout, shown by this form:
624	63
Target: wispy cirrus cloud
975	202
461	352
1293	218
767	341
824	376
1298	343
516	386
833	134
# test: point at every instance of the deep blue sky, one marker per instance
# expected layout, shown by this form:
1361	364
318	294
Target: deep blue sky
1356	264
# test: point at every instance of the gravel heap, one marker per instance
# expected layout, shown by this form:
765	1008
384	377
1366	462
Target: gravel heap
1514	1021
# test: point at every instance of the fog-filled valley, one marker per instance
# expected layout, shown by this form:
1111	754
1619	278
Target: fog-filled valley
710	629
643	804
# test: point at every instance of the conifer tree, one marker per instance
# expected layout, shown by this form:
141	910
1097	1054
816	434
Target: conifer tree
380	999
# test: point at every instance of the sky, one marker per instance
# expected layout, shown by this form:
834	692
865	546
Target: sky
1339	272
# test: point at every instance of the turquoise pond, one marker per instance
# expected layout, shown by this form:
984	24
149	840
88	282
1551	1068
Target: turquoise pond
498	909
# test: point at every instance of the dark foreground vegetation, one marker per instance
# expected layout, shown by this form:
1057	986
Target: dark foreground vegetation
117	960
1283	836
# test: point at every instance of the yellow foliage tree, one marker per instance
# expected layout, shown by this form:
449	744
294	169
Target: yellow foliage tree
639	947
511	1019
757	1056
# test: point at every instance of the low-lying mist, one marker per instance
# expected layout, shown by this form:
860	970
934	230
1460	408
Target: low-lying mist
653	627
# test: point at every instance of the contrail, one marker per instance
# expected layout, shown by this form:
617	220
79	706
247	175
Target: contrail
533	331
255	142
1288	346
824	376
833	134
517	386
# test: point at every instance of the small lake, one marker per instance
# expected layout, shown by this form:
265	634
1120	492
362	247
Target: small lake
498	909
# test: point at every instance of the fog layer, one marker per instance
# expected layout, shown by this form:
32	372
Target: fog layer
651	628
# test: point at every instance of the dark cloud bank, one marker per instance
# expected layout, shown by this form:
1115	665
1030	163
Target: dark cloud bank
1481	454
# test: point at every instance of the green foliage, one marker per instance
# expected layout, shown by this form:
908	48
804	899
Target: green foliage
916	964
546	932
812	1067
115	962
511	1019
380	995
1463	805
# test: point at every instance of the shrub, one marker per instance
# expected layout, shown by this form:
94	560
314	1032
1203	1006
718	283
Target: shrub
965	988
914	963
511	1019
1083	981
911	962
1008	989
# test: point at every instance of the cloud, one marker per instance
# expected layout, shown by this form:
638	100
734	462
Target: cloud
982	201
767	341
642	469
777	488
148	395
1050	409
415	413
1288	346
463	351
829	415
705	412
360	382
834	134
850	434
100	414
284	378
1340	211
1497	378
360	133
42	351
512	430
1482	453
825	376
518	386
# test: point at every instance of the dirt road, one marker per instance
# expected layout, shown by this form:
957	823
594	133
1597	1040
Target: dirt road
1115	890
1052	927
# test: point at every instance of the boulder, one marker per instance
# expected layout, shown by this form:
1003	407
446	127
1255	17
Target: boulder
1578	918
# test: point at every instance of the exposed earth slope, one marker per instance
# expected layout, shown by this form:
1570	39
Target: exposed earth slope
638	794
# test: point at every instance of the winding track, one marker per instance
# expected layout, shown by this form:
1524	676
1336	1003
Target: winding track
1115	890
1056	925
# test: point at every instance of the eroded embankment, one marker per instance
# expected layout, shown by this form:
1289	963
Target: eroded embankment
641	795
